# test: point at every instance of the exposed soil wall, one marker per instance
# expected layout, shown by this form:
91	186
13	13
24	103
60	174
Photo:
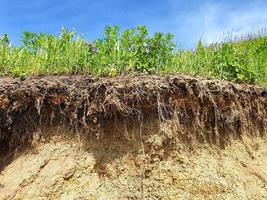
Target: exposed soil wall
68	167
132	137
205	110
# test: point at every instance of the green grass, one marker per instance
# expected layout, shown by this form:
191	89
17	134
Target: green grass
133	50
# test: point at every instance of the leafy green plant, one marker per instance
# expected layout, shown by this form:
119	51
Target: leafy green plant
132	50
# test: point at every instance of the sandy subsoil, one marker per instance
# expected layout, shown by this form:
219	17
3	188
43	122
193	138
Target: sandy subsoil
132	137
116	168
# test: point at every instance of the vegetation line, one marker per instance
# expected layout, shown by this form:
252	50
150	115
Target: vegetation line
133	50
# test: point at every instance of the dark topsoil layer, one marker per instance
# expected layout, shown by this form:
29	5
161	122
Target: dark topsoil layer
211	110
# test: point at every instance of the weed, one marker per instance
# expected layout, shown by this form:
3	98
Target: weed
132	50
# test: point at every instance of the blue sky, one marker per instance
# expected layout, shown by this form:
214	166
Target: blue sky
188	20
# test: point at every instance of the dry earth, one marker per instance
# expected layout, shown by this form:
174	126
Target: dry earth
132	137
116	168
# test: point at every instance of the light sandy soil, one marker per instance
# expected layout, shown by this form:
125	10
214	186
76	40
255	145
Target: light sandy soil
116	168
132	137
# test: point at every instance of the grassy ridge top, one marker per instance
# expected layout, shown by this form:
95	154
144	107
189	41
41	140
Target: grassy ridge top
132	50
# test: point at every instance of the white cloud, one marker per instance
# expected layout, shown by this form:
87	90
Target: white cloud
212	20
220	21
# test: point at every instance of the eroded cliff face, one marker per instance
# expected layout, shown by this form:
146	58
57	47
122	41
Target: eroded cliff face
141	134
160	166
